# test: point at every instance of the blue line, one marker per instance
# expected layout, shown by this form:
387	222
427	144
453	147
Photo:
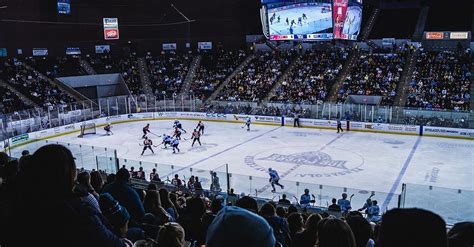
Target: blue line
400	175
223	151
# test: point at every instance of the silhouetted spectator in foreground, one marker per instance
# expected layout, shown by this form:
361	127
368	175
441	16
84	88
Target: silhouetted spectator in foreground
412	227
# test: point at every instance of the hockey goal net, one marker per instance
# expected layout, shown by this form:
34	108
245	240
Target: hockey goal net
87	129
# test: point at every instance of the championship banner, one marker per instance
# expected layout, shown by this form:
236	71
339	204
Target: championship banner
339	14
111	29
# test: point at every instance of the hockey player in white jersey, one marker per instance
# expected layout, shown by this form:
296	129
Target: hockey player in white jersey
274	179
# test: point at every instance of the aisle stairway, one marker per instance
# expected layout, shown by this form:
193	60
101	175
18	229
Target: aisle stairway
188	81
230	77
346	69
87	67
282	78
145	77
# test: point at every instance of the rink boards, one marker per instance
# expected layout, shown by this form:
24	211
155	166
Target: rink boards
241	118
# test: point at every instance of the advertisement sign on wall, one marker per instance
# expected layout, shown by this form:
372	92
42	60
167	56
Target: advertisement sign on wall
169	46
111	29
40	52
99	49
205	45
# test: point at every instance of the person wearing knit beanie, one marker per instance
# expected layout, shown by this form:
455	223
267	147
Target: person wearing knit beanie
117	215
236	227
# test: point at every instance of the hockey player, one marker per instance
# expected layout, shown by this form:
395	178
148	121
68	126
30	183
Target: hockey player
196	137
274	179
178	125
177	133
108	129
247	123
147	143
339	126
200	127
304	16
146	130
166	140
175	144
300	21
287	21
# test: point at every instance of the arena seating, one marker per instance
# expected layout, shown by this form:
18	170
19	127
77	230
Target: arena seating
10	102
214	69
374	74
441	81
56	66
31	85
259	76
312	77
168	71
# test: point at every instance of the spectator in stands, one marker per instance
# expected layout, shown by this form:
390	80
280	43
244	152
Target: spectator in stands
232	197
152	205
126	195
171	234
361	229
57	205
461	235
307	237
167	204
115	214
334	207
246	228
192	220
96	181
85	190
295	224
278	224
283	200
333	232
344	204
248	203
412	227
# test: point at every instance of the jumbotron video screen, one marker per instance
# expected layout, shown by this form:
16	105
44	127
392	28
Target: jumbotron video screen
313	19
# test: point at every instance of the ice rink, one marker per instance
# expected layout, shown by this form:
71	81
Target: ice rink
304	158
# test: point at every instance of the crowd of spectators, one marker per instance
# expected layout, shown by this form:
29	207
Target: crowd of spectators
10	102
168	71
78	208
374	74
256	80
30	84
313	76
441	80
127	66
214	69
57	66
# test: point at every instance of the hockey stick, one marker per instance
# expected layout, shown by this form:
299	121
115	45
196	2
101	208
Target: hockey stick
154	134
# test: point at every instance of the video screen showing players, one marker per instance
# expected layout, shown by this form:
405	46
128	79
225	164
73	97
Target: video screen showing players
300	19
353	21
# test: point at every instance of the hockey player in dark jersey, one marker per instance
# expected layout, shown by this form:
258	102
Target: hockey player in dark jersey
146	130
196	137
147	143
108	129
200	127
177	133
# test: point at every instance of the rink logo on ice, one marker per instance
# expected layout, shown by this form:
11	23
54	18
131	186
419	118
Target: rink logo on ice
309	163
308	158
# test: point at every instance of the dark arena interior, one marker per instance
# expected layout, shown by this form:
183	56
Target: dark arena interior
236	123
